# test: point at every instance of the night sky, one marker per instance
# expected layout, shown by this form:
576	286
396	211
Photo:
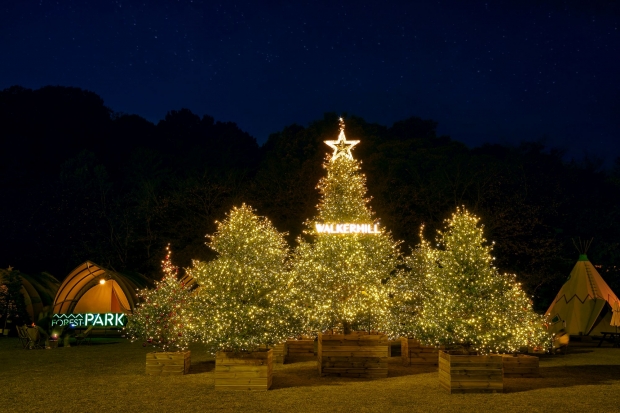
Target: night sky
486	71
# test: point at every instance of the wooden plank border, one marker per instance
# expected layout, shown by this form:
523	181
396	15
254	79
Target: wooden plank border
244	370
471	373
358	354
300	350
413	353
167	362
521	366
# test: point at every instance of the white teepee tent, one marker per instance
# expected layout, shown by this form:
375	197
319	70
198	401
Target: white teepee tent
580	303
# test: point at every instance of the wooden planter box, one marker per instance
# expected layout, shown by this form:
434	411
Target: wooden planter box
243	370
279	353
358	354
300	350
413	353
520	366
165	362
471	373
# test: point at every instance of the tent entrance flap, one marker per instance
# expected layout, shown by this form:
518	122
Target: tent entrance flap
102	298
596	311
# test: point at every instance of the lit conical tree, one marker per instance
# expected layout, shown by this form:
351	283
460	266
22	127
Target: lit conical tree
243	294
341	277
406	292
466	300
165	317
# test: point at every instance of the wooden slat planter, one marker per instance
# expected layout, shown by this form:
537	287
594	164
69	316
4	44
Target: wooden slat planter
413	353
471	373
279	353
165	362
243	370
520	366
300	350
358	354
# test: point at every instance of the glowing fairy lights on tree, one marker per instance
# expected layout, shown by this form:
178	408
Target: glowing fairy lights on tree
465	299
341	275
243	295
345	277
165	317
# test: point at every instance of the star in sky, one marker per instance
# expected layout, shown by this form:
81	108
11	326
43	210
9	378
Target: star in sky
342	147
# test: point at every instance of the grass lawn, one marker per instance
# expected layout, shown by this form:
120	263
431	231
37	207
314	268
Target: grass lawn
108	376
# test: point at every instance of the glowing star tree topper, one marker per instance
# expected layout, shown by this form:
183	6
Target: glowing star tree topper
342	147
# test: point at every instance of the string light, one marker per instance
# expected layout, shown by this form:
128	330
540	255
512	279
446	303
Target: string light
342	147
340	276
459	297
348	276
165	317
244	299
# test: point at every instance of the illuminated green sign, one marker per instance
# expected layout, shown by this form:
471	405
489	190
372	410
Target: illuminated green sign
90	319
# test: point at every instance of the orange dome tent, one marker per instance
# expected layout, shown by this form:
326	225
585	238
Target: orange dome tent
92	289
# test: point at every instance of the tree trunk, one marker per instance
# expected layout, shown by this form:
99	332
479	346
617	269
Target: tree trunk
346	327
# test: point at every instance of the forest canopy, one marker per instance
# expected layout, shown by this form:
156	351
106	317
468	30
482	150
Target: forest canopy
83	182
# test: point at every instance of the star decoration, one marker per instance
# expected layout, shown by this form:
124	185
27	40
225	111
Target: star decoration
342	147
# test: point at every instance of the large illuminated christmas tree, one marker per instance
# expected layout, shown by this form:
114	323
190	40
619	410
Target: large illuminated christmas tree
243	295
342	272
165	316
466	300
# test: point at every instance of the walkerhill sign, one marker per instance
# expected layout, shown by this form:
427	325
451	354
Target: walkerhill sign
347	228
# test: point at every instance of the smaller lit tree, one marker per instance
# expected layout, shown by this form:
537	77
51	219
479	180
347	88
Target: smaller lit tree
466	300
165	317
406	297
244	294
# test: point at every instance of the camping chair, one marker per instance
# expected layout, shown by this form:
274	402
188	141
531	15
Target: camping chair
83	337
22	334
34	336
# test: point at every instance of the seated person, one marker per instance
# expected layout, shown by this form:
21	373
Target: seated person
39	333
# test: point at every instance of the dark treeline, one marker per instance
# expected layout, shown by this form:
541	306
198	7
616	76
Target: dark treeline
81	182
